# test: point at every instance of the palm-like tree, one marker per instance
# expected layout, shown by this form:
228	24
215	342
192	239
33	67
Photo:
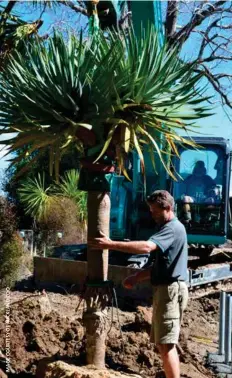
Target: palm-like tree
37	197
68	187
59	206
107	96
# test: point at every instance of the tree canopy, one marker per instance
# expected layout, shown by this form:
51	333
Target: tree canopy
206	25
106	96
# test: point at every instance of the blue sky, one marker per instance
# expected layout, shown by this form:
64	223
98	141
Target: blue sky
218	125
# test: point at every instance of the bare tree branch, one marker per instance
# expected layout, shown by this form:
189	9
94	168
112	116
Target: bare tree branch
222	76
212	53
211	58
197	19
216	84
76	8
206	38
8	9
225	27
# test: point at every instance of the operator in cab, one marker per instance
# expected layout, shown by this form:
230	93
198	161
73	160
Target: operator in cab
199	189
198	184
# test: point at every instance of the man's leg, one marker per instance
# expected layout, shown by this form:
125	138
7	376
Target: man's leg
169	303
170	360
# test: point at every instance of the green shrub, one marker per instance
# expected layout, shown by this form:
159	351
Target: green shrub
8	221
10	259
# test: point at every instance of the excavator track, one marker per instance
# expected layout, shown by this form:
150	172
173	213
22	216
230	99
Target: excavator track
211	271
205	290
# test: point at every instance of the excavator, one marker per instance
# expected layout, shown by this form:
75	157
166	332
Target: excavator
201	191
201	195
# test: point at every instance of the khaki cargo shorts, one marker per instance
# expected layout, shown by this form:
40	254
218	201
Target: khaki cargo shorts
169	303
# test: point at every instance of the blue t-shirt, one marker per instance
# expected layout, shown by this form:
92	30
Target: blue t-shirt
171	259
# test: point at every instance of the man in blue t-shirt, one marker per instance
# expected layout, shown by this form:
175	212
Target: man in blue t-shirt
168	275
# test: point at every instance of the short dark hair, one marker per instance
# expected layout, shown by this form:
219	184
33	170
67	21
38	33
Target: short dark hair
163	198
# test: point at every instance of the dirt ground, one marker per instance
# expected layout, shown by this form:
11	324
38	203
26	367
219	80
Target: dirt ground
48	325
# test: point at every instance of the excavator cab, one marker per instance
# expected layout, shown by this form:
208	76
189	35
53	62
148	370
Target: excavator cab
201	194
202	191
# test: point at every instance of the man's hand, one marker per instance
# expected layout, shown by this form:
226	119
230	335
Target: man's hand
130	282
100	243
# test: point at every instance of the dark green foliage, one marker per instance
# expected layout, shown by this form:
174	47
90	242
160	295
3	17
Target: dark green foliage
10	259
8	221
10	244
11	183
56	207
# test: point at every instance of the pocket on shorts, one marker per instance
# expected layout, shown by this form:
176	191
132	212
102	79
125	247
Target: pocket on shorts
171	307
173	291
168	326
183	298
166	304
169	332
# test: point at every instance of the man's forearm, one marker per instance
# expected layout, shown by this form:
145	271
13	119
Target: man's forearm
135	247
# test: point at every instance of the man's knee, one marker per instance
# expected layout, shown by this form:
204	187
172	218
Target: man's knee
165	349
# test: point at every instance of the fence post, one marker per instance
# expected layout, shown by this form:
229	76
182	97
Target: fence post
222	323
228	329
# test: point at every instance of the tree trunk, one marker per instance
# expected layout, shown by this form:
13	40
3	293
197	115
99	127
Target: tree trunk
95	319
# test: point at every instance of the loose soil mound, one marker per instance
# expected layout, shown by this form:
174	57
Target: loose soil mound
48	326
